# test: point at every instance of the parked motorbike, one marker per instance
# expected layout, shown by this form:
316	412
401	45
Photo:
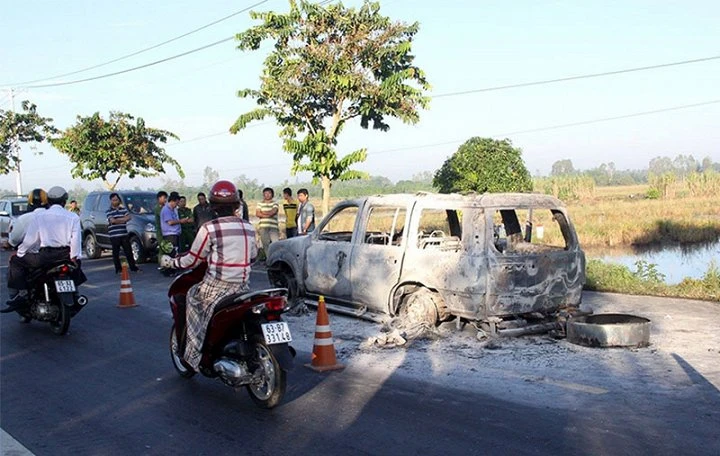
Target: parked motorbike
246	344
53	296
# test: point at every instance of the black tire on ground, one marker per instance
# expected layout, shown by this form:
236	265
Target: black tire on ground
269	392
285	279
61	325
137	250
182	368
24	318
90	247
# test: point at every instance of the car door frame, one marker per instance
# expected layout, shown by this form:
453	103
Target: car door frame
375	269
327	261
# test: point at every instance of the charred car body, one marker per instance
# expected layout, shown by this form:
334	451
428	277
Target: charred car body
503	261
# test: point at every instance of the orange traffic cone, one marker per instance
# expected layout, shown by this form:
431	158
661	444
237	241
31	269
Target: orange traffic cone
127	299
323	355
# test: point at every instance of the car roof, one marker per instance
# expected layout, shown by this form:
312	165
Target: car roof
15	199
498	200
122	192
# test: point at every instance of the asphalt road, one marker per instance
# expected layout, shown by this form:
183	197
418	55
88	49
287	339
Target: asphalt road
108	388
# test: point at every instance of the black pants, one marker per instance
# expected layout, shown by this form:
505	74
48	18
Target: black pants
124	241
19	267
290	232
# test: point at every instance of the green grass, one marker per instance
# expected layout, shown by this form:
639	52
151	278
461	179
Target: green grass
646	280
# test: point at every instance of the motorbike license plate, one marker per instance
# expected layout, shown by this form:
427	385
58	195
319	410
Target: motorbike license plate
276	333
64	286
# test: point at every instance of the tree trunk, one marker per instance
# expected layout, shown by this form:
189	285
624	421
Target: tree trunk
326	195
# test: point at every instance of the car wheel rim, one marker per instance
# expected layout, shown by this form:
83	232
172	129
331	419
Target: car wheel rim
135	248
90	247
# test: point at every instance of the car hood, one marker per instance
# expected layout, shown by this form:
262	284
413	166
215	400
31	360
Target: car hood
144	218
294	245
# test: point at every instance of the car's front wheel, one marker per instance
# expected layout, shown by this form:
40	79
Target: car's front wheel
90	247
138	252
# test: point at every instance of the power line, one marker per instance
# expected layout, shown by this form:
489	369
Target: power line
555	127
516	132
572	78
55	84
82	70
219	133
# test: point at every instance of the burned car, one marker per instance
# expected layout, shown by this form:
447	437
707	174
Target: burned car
502	261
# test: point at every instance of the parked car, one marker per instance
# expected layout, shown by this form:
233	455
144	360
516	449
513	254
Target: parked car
10	209
501	261
141	226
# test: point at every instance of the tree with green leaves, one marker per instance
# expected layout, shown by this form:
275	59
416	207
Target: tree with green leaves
331	64
113	148
18	127
484	165
562	168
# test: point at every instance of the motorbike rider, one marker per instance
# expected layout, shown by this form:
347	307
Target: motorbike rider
51	236
37	201
228	245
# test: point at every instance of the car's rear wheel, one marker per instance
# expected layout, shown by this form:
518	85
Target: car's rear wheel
90	247
420	307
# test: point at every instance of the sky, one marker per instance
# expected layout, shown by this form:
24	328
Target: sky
462	45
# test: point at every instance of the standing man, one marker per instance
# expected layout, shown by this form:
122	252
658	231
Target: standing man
202	212
161	201
306	213
170	222
228	246
267	212
118	217
74	207
187	230
290	209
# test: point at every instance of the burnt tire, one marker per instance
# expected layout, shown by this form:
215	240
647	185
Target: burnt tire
268	392
182	367
61	325
420	308
90	247
286	279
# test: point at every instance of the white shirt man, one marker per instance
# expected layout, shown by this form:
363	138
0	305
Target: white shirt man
53	229
19	228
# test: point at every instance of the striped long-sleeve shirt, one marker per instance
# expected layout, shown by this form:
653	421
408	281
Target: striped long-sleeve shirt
227	244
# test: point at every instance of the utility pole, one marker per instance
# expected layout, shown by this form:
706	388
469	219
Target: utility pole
16	149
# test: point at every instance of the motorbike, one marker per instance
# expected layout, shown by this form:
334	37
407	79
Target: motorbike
53	296
246	344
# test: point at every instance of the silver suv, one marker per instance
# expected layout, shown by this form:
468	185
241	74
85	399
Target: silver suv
10	209
141	227
503	261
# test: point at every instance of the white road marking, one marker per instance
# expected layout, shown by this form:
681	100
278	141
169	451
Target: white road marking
11	447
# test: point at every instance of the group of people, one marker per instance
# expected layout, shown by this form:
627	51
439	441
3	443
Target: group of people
299	218
217	231
178	224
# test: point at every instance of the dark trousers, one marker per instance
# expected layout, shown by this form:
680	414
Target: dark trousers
19	267
290	232
124	242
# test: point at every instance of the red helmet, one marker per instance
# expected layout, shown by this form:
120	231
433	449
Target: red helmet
224	192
